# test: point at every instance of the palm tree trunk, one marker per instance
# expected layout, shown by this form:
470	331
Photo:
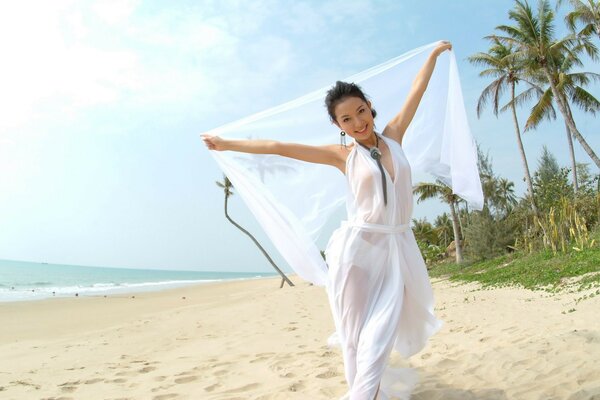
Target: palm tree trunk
569	119
459	257
572	153
573	163
283	277
460	224
522	151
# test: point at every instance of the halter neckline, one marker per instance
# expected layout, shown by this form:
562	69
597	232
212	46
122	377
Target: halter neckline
376	155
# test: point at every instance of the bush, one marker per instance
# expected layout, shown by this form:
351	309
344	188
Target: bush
487	236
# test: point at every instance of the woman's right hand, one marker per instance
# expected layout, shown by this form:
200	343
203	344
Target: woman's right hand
214	142
442	46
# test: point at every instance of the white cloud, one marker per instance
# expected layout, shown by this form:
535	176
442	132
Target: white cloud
46	63
114	11
65	60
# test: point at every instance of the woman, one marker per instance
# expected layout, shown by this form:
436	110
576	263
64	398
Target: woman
378	287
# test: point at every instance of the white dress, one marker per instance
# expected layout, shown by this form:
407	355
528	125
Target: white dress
378	287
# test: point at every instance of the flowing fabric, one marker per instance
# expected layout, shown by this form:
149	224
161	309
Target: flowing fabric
378	288
376	281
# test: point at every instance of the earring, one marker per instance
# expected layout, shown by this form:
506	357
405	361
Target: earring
342	138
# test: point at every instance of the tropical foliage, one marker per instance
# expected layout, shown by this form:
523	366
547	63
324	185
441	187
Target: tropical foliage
528	65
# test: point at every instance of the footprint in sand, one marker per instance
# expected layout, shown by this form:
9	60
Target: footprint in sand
244	388
212	387
165	396
145	370
69	387
186	379
220	364
328	374
263	358
220	372
296	386
159	388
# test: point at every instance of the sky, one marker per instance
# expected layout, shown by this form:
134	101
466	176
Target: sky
103	103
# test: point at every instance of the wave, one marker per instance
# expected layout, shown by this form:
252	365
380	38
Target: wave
40	292
20	293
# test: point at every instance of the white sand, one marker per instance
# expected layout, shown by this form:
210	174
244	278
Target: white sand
252	340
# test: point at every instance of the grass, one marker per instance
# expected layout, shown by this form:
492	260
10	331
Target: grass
573	271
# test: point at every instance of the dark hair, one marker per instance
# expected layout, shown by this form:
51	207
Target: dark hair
340	92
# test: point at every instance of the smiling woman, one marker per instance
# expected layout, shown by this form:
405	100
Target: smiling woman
377	284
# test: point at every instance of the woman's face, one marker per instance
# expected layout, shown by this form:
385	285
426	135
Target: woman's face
354	116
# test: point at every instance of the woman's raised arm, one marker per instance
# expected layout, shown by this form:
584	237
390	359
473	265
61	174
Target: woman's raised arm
396	128
334	155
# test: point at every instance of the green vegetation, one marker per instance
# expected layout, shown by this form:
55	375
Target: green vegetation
550	238
573	270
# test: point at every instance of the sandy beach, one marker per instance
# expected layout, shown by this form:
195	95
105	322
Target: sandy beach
252	340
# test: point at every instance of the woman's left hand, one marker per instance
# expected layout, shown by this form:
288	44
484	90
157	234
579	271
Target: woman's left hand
442	46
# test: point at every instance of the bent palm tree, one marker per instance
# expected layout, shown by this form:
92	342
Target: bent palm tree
533	38
426	191
507	70
571	89
227	189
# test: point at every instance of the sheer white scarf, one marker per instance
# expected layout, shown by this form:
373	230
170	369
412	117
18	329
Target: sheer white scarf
292	200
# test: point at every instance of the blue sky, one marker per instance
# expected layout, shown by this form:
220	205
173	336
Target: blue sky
103	102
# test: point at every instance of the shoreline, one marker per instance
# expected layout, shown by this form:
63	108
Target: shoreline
129	289
248	339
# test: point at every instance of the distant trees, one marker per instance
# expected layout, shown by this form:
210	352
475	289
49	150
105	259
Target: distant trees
438	189
527	62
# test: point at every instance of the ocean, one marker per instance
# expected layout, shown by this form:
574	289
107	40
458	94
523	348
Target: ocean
21	280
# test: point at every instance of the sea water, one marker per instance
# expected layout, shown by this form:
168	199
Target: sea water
21	280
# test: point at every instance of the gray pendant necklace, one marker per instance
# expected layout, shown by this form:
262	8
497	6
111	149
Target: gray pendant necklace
376	155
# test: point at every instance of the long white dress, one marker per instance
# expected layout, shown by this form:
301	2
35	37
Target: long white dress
378	287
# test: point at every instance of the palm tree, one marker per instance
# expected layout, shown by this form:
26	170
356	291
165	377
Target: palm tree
443	228
425	190
585	12
424	231
506	194
570	85
533	39
507	70
227	189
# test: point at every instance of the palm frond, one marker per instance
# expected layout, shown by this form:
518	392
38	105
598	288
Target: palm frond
585	100
493	92
485	59
523	97
543	109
